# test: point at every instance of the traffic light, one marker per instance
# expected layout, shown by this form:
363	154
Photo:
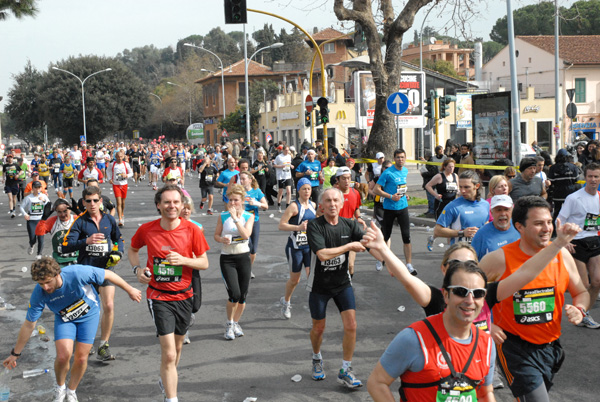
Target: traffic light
243	121
307	119
235	12
318	121
445	105
430	107
322	103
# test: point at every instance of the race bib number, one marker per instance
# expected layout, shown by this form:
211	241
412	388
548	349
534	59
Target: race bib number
135	160
238	240
120	177
57	168
43	168
74	311
11	172
301	239
77	161
314	176
534	306
286	167
261	172
451	187
457	395
334	263
37	208
401	189
165	272
209	178
97	249
591	222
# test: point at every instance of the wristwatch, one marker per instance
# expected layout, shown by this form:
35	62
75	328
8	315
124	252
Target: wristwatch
135	268
236	220
12	353
461	233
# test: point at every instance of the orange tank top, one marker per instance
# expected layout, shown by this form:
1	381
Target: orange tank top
534	312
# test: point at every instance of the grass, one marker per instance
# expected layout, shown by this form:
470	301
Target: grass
411	202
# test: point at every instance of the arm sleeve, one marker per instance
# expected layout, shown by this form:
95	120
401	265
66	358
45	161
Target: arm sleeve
403	354
25	206
491	298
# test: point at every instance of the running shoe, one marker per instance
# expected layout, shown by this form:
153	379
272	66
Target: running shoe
237	330
209	212
318	373
186	339
59	394
38	257
12	214
104	353
412	270
348	379
588	322
71	397
120	222
201	206
430	243
378	266
286	308
280	211
229	334
30	250
252	276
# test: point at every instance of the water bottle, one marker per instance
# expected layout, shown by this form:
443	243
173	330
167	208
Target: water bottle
4	385
34	373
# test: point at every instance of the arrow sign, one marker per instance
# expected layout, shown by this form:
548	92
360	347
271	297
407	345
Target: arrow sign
397	103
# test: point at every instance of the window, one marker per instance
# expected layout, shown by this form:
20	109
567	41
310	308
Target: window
544	134
524	132
329	48
241	92
579	90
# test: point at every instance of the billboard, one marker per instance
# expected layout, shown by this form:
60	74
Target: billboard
492	138
195	132
464	115
364	98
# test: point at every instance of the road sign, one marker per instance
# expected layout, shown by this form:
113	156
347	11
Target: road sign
397	103
224	133
309	103
571	110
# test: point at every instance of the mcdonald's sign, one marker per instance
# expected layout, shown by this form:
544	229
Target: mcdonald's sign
340	115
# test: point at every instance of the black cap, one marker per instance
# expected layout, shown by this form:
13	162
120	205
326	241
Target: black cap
36	184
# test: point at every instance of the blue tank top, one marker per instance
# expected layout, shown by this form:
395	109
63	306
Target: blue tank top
181	156
299	239
155	158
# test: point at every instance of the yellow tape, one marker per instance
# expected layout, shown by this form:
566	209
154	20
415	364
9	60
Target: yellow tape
459	165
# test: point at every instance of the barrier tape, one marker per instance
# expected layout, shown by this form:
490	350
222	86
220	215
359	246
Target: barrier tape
458	165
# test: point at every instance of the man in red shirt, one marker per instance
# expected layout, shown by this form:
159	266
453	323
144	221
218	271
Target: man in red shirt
175	248
351	207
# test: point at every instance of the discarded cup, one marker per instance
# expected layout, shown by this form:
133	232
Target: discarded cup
24	269
412	225
250	399
41	329
401	308
297	378
270	216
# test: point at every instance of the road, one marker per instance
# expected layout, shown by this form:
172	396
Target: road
261	363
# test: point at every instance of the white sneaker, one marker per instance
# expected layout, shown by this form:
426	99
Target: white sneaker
59	394
411	269
71	397
237	330
286	308
30	250
229	334
38	257
378	265
280	211
186	339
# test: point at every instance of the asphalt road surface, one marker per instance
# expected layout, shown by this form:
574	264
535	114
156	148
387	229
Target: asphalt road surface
260	364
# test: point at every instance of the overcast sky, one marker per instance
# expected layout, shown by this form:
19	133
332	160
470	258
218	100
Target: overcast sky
66	28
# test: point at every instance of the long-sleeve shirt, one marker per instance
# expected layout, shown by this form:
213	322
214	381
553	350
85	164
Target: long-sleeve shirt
33	205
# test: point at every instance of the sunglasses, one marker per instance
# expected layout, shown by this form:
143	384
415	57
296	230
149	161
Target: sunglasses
462	291
511	176
94	200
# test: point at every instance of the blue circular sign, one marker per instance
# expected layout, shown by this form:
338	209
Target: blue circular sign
397	103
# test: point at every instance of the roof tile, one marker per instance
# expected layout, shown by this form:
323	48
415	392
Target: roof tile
576	49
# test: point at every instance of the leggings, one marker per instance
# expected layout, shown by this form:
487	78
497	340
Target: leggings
389	216
31	225
235	269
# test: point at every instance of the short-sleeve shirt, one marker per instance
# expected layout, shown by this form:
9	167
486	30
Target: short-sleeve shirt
489	238
186	239
285	172
521	188
225	178
582	209
393	180
462	213
208	177
315	166
11	172
257	195
330	277
352	202
75	301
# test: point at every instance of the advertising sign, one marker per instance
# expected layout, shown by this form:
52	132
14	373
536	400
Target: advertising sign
492	127
364	98
195	132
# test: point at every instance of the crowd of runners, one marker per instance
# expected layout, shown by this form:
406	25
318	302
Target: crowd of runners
495	318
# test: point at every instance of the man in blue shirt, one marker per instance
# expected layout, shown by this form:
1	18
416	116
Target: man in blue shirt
226	175
463	217
311	169
392	187
500	231
69	294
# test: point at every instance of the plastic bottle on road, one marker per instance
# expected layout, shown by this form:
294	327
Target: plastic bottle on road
4	385
34	373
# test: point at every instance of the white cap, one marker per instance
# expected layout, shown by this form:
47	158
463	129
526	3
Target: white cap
292	148
501	201
311	151
379	155
343	170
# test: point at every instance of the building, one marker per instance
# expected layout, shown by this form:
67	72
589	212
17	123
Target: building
460	58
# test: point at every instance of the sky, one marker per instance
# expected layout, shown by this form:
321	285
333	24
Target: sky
65	28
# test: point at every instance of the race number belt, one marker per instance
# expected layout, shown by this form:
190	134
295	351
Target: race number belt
74	311
534	306
301	239
97	249
165	272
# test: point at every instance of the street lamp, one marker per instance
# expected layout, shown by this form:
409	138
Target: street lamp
161	104
189	93
83	93
222	72
246	62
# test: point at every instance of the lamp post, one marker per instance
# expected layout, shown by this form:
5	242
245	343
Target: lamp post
246	63
222	72
83	93
161	104
189	93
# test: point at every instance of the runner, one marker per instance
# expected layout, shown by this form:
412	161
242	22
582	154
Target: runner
391	185
101	156
90	172
254	200
44	169
175	248
529	323
260	170
208	176
58	226
182	156
233	231
76	157
35	176
68	294
445	184
282	165
174	171
32	209
331	238
378	205
311	169
118	172
227	176
55	164
22	175
11	170
106	206
135	159
500	231
154	159
96	236
295	220
69	172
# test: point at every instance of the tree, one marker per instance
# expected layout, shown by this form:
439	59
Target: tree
18	8
265	37
24	107
149	63
294	49
386	71
115	101
441	66
490	49
258	92
535	19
